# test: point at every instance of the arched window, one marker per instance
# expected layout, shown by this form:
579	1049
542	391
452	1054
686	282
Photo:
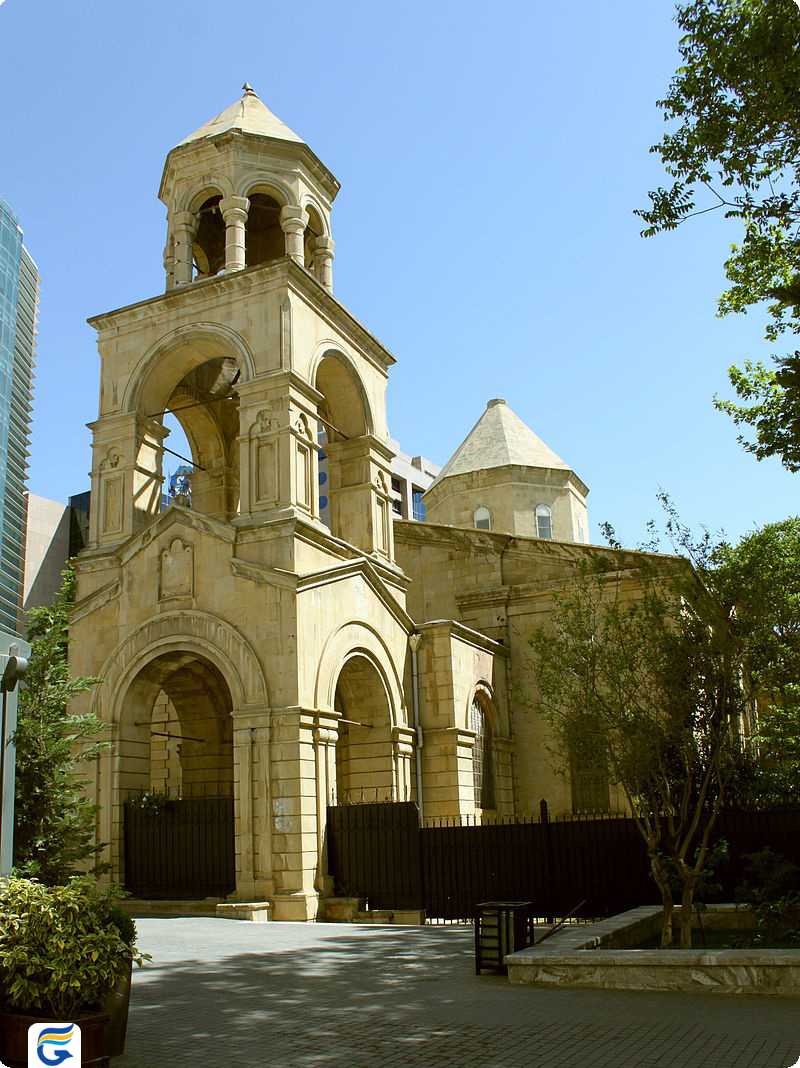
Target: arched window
482	518
544	521
482	756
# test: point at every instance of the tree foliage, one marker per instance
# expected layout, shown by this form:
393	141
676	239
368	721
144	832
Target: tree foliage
642	666
54	821
734	147
762	575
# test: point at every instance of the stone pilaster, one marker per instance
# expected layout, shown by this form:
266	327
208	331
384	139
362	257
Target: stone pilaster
252	818
360	477
325	737
402	757
295	845
126	476
279	451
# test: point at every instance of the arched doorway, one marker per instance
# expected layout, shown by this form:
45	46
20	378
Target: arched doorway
175	780
364	759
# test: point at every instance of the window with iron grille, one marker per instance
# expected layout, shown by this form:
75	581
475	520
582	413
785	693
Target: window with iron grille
482	757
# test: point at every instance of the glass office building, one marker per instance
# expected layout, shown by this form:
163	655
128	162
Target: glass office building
19	297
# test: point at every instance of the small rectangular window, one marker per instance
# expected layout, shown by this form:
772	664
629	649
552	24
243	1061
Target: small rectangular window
417	504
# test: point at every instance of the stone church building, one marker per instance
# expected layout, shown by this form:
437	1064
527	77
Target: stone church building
248	649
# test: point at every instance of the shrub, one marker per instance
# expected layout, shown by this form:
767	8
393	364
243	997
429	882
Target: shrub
62	948
771	890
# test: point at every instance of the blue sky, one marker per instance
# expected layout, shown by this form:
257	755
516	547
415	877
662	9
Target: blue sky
490	158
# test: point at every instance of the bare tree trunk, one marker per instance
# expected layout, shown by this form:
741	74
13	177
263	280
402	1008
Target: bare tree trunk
662	882
687	905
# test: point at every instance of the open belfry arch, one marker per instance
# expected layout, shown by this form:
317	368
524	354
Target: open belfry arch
250	647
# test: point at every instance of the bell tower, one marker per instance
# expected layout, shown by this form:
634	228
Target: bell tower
247	348
220	624
245	190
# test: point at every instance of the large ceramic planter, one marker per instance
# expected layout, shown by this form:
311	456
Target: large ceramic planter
116	1007
14	1038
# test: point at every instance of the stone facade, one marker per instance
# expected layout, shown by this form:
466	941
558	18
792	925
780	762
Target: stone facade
247	648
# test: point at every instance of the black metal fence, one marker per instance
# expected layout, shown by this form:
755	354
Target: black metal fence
379	851
180	849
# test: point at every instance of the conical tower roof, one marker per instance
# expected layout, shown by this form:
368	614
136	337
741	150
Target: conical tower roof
498	439
250	115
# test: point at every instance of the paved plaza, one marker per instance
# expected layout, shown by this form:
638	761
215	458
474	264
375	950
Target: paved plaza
232	994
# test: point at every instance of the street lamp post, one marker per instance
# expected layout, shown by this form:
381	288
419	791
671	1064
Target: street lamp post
14	664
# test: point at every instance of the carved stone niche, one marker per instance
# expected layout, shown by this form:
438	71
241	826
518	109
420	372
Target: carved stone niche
176	578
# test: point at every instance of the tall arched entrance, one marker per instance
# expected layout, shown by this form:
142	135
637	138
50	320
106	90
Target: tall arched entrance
364	759
175	780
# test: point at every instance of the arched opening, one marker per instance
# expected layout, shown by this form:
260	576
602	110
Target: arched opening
265	239
206	407
188	450
364	764
175	780
343	416
483	769
208	247
544	521
314	229
482	518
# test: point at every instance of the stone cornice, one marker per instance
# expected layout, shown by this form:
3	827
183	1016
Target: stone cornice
466	634
263	575
264	277
95	600
280	147
176	515
362	568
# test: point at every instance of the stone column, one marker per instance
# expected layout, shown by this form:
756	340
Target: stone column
185	226
323	261
294	221
169	262
234	212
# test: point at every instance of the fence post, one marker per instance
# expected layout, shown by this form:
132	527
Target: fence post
544	814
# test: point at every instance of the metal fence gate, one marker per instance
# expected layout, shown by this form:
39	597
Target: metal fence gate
379	852
180	849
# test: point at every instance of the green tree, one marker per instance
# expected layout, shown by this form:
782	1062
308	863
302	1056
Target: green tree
762	578
641	668
734	147
54	821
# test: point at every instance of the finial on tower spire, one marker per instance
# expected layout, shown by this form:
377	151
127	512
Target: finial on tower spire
248	88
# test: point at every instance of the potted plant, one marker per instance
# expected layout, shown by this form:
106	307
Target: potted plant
65	955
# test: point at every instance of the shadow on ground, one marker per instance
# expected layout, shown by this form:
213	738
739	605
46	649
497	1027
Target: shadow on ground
343	997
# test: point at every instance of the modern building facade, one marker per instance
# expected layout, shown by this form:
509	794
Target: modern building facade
19	298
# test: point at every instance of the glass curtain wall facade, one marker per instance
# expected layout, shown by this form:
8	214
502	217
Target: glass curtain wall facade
19	298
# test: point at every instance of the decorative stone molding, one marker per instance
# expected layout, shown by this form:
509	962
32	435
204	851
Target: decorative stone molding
176	578
186	631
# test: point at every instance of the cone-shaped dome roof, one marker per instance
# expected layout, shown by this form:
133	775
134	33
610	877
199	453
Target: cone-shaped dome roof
250	115
498	439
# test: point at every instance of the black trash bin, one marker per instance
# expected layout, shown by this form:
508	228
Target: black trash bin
501	927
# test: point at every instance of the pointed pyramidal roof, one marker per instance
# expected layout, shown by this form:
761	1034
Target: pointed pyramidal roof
498	439
250	115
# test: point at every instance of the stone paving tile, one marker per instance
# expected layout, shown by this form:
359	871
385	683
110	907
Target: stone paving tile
334	996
